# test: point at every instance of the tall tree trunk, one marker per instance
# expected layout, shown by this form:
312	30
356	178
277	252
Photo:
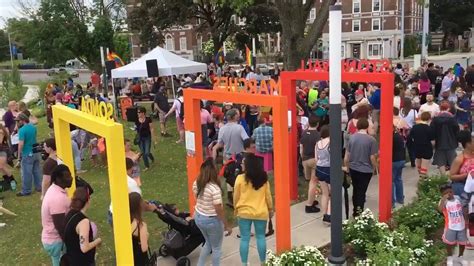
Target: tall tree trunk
293	16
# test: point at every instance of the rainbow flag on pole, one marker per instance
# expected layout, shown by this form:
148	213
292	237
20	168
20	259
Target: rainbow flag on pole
111	56
248	56
219	58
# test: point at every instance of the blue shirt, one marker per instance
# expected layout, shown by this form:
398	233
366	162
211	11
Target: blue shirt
375	99
27	134
263	136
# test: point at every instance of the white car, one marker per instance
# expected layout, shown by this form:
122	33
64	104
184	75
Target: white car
63	70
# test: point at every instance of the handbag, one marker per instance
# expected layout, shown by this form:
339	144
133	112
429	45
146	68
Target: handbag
469	185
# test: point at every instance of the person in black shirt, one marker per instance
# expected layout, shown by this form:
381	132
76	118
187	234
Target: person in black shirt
307	144
348	93
145	133
139	230
398	163
421	137
162	107
80	237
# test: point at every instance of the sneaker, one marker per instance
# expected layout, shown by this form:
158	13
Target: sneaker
2	225
311	209
327	218
450	261
462	261
21	194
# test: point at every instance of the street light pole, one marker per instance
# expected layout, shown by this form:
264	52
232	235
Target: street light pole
402	25
335	41
426	23
11	48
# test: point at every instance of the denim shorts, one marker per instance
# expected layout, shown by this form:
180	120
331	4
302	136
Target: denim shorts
322	173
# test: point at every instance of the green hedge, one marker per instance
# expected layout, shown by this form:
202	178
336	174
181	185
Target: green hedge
411	241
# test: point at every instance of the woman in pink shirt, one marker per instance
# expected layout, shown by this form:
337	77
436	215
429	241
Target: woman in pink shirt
206	120
424	86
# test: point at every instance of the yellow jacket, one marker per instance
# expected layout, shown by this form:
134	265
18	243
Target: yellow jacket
250	203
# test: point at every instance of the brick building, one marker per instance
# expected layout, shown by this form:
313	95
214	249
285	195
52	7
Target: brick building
371	30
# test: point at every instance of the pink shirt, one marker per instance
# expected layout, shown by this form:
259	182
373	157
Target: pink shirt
55	201
205	117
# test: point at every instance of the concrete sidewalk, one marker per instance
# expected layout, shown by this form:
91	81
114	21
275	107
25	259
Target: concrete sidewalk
307	229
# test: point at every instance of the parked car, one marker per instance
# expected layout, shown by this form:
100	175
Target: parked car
63	70
265	69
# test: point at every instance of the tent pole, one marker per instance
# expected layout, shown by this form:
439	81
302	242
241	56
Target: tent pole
114	98
172	86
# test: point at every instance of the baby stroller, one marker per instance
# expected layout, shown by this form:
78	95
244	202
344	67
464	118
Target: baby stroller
182	237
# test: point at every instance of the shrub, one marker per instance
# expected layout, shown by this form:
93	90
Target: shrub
12	87
302	256
362	231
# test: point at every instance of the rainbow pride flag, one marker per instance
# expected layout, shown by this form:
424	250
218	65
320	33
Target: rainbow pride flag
219	58
248	56
111	56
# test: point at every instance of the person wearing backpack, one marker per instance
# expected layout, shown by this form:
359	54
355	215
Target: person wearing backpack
178	109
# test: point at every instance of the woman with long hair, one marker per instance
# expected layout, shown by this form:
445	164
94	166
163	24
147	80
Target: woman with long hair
424	86
362	111
253	204
323	163
409	114
80	234
145	134
139	229
209	212
463	165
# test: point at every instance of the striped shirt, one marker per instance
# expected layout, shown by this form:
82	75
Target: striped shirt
209	197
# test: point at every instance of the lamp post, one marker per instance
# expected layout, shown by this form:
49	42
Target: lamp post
402	26
335	32
426	23
11	48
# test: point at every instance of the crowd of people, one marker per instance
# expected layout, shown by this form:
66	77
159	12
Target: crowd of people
431	117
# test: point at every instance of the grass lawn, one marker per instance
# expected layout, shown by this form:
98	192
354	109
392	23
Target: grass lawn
165	181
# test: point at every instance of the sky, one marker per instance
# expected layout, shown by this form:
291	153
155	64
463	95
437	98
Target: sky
8	9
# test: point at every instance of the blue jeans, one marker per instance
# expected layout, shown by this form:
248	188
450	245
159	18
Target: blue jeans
76	153
213	231
145	145
55	251
458	188
30	171
260	227
397	183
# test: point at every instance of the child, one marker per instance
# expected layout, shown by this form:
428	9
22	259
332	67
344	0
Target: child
94	151
454	222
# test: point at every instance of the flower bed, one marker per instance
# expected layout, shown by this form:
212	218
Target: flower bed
412	239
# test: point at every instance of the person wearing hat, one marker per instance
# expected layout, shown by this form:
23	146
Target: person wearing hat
177	109
360	99
463	109
29	160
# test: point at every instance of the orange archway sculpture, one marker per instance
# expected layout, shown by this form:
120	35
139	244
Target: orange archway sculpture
251	95
369	71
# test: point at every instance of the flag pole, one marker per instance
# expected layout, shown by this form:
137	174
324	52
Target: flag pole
254	56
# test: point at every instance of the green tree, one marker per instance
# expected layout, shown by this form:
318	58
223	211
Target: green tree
213	16
453	17
122	47
4	51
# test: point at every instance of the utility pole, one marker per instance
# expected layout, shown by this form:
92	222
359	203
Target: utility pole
426	23
11	49
402	25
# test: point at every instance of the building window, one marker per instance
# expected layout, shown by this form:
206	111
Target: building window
199	41
375	50
169	43
355	6
182	44
376	24
375	5
312	14
343	51
356	25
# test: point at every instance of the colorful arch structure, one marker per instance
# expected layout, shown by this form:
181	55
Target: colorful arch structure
192	98
352	71
97	118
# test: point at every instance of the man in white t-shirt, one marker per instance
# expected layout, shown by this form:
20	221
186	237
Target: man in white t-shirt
430	106
132	187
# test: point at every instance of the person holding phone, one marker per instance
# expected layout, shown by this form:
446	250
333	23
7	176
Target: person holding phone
209	212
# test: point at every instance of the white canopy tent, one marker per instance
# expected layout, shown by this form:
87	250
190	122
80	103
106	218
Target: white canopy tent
168	64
